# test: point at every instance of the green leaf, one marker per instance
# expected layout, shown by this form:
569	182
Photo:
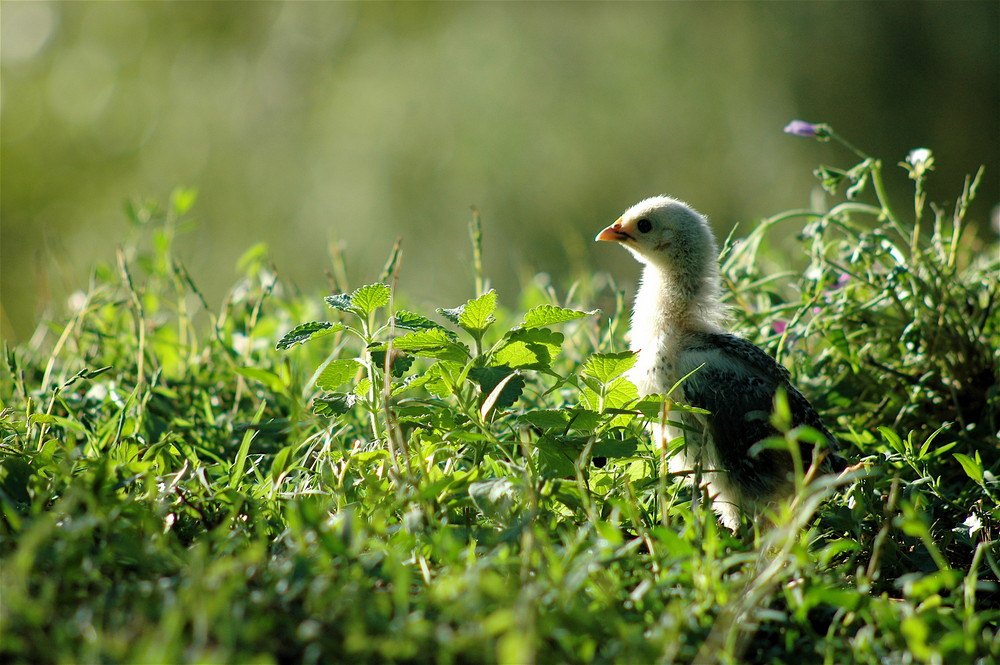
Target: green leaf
529	348
341	301
335	404
489	378
439	379
547	315
474	316
546	418
60	421
336	373
606	366
556	457
616	447
973	467
495	498
183	199
269	379
432	343
410	321
451	314
580	420
305	332
371	297
281	463
399	364
618	393
892	439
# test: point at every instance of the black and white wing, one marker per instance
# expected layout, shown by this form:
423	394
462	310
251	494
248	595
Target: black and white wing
737	382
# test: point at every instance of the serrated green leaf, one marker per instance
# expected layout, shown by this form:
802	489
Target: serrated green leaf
547	315
371	297
452	313
580	420
336	373
489	378
439	379
341	301
477	314
606	366
410	321
335	404
556	458
546	418
399	364
306	332
529	348
618	393
432	343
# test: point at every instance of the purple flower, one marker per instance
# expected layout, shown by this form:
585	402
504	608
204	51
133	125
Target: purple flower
803	128
779	326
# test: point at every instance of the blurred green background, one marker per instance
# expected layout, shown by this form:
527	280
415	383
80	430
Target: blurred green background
306	124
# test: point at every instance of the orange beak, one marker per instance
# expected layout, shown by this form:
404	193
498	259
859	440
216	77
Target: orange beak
614	233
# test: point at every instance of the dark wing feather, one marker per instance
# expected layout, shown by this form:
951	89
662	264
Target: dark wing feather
737	383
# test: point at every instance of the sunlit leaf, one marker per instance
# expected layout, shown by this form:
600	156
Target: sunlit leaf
336	373
341	301
547	315
475	316
305	332
371	297
529	348
410	321
432	343
606	366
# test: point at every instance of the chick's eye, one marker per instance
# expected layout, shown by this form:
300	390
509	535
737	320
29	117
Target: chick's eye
644	225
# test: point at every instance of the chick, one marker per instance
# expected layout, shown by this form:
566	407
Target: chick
676	331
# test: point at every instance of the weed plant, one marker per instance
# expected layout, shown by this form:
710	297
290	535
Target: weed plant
287	479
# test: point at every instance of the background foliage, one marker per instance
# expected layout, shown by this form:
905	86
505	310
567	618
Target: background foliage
308	124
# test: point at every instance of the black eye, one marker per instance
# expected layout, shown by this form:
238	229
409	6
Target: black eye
644	225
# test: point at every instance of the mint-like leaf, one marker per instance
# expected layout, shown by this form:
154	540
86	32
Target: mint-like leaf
474	316
477	314
432	343
341	301
489	378
532	348
547	315
336	373
306	332
606	366
335	404
410	321
371	297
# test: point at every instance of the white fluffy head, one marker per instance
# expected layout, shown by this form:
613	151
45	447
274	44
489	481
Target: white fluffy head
666	233
675	242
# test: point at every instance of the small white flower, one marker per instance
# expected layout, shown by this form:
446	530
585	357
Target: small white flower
918	157
973	523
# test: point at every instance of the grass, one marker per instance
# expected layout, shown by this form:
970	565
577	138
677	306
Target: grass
474	484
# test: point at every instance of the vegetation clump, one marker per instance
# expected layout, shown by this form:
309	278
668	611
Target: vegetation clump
296	479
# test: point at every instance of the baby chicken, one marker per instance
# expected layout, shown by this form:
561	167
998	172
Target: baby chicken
676	331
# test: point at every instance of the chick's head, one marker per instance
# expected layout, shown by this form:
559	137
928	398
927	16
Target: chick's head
667	234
